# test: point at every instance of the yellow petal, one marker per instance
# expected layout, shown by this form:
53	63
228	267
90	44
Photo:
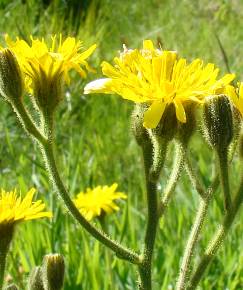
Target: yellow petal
153	115
180	112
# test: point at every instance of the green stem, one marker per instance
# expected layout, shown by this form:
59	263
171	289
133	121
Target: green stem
193	178
145	268
6	234
160	150
191	243
173	179
224	177
217	240
27	122
46	146
3	255
121	252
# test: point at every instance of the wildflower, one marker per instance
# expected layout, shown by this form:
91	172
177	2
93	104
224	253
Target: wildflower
100	199
45	67
14	209
158	78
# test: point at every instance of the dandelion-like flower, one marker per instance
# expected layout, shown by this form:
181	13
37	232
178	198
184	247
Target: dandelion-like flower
158	78
59	58
46	68
14	209
97	200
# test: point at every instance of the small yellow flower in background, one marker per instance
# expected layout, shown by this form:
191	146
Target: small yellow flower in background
236	95
158	78
14	209
97	200
39	59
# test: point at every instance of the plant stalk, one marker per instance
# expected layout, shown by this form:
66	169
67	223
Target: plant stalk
217	240
46	145
224	177
145	268
191	243
173	179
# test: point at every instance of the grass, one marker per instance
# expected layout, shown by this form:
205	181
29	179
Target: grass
95	144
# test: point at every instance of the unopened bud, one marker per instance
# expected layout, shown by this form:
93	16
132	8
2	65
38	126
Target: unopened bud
48	91
53	271
11	80
139	131
187	129
167	126
218	122
35	279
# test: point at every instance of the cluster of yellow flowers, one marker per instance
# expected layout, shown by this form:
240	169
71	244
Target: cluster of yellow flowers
150	76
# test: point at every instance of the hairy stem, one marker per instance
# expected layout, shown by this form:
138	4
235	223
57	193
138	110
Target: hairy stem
27	122
193	178
46	145
145	268
173	179
224	177
121	252
191	243
217	240
6	235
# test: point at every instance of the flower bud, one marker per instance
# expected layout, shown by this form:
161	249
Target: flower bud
11	81
167	126
187	129
35	279
218	122
53	272
139	131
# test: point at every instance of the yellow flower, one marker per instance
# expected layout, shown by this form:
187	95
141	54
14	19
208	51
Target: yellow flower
158	78
236	95
100	199
51	62
14	209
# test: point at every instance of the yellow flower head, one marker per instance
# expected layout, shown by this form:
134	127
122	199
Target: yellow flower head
236	95
14	209
39	59
100	199
158	78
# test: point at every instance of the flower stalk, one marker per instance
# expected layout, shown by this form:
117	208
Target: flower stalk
6	233
192	241
217	240
145	268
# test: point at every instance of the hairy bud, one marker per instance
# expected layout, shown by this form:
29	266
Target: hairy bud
53	271
186	130
167	126
139	131
218	122
11	80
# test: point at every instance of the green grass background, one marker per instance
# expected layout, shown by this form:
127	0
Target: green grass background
95	144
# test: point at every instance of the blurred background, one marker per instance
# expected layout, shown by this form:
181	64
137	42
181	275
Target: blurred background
95	144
